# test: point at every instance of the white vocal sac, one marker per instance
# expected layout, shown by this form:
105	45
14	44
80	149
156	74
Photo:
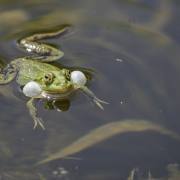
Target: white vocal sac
78	77
32	89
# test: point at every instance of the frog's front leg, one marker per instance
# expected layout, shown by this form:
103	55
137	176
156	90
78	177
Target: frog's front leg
8	74
42	51
96	100
33	112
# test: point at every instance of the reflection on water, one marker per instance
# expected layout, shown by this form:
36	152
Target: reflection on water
143	85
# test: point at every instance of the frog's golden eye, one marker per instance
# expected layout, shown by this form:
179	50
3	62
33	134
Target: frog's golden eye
66	73
48	78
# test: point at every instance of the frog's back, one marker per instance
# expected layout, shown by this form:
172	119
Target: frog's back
29	70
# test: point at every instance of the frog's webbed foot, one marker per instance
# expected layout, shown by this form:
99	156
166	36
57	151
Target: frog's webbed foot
44	52
7	74
33	112
96	100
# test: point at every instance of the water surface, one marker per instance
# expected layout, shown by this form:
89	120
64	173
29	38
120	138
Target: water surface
132	46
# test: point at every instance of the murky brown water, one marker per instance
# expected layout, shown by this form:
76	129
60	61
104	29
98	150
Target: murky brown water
133	48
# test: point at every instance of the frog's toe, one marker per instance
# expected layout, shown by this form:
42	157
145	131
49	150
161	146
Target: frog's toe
38	122
35	124
99	102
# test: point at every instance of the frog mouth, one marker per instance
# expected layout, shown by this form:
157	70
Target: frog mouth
54	95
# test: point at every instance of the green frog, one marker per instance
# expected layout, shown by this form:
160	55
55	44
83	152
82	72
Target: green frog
39	78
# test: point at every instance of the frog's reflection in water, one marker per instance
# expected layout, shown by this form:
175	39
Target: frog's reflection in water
60	105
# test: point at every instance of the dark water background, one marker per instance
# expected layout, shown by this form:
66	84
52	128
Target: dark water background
133	48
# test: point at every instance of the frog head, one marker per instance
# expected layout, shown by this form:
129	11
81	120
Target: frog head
56	82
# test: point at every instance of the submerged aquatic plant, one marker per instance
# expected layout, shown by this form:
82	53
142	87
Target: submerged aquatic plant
105	132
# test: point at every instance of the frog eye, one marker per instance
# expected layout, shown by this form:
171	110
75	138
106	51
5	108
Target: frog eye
66	73
48	78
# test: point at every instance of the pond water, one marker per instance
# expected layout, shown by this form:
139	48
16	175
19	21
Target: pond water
132	48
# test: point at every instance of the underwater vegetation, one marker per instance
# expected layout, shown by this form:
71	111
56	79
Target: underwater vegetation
105	132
